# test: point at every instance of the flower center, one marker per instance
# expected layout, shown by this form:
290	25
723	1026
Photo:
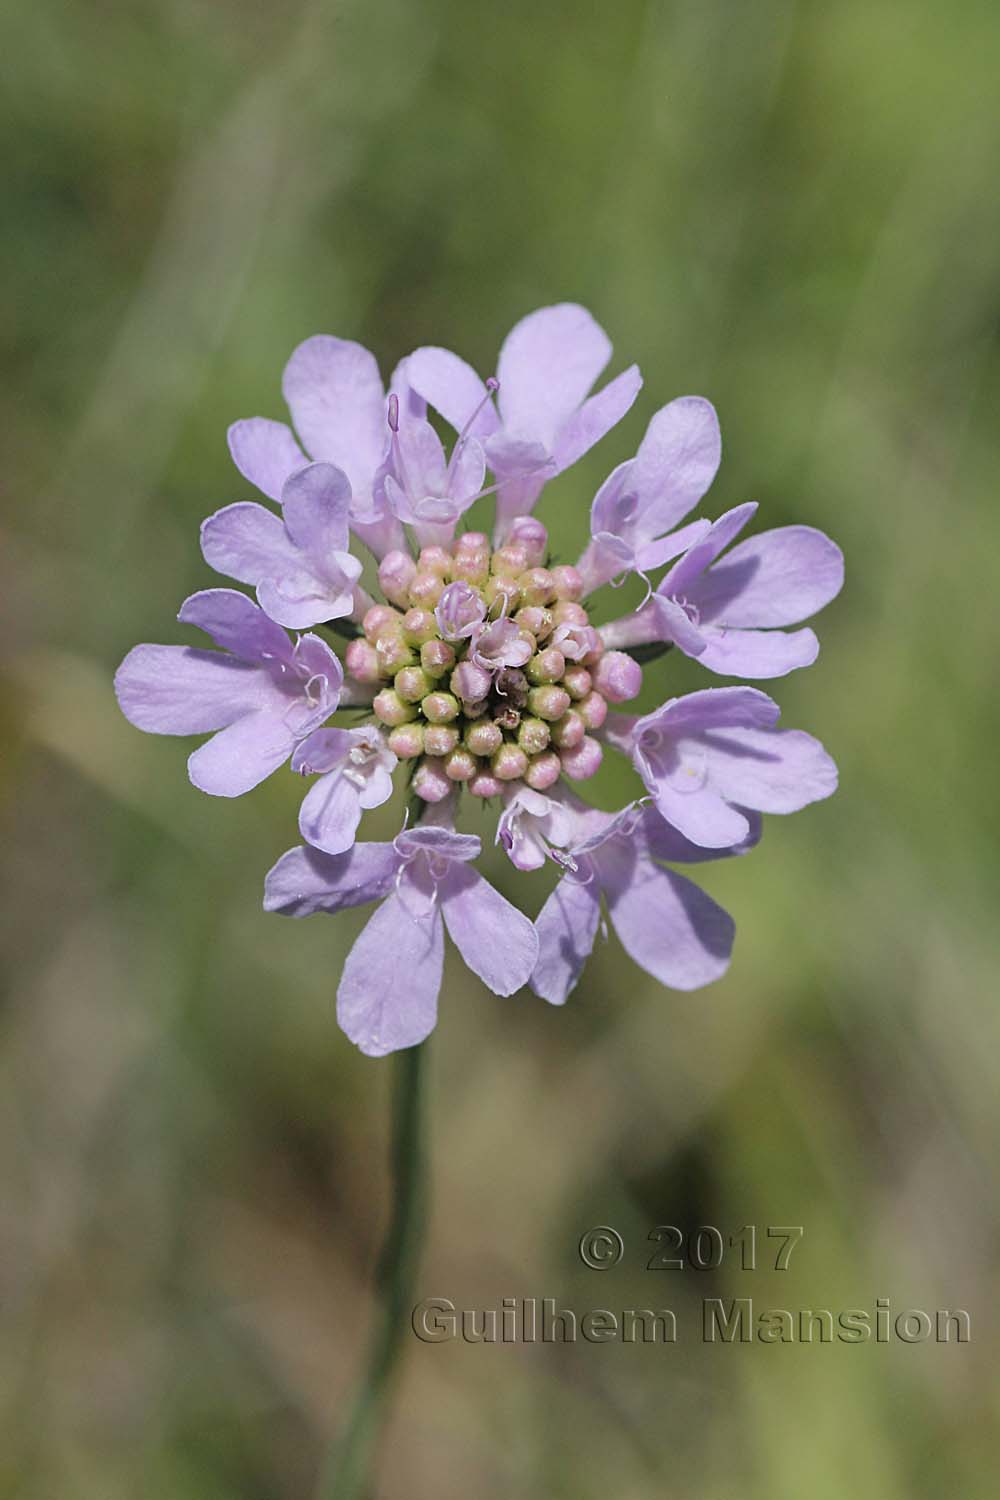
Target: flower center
484	661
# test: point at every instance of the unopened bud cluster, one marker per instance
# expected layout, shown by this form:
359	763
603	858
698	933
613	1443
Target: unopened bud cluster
459	706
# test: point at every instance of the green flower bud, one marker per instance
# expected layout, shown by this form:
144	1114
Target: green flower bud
440	708
390	708
533	736
412	684
548	702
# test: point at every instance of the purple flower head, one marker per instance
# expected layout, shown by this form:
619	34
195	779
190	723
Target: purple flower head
388	991
460	611
708	757
635	510
424	489
724	613
355	769
335	395
480	666
666	924
546	420
576	641
501	644
261	692
531	823
298	562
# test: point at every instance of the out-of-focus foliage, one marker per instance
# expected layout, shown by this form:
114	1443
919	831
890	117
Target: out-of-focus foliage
789	208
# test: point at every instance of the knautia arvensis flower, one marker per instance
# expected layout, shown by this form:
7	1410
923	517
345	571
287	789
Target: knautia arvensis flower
477	667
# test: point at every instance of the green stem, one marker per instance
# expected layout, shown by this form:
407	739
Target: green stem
347	1475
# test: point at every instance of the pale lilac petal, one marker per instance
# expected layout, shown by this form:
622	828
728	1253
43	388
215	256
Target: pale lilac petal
468	472
238	758
376	789
388	992
655	554
672	623
773	771
316	503
334	392
304	881
453	388
419	460
330	813
701	814
298	599
514	454
178	690
682	580
596	417
566	927
246	542
443	842
547	365
323	666
665	923
676	462
266	453
323	750
665	842
757	653
613	508
715	708
237	624
411	404
496	940
777	578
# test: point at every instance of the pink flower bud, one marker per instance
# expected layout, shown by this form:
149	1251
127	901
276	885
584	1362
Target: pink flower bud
361	660
437	658
412	684
470	682
483	737
393	653
429	781
568	582
407	741
577	681
425	590
583	760
568	612
533	736
593	710
535	620
472	541
419	625
460	765
537	586
543	771
529	533
568	731
440	708
508	562
381	620
617	677
439	739
548	702
434	560
547	666
390	708
395	574
485	784
509	763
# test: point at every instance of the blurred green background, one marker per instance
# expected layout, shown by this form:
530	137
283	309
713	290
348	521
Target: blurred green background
790	208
